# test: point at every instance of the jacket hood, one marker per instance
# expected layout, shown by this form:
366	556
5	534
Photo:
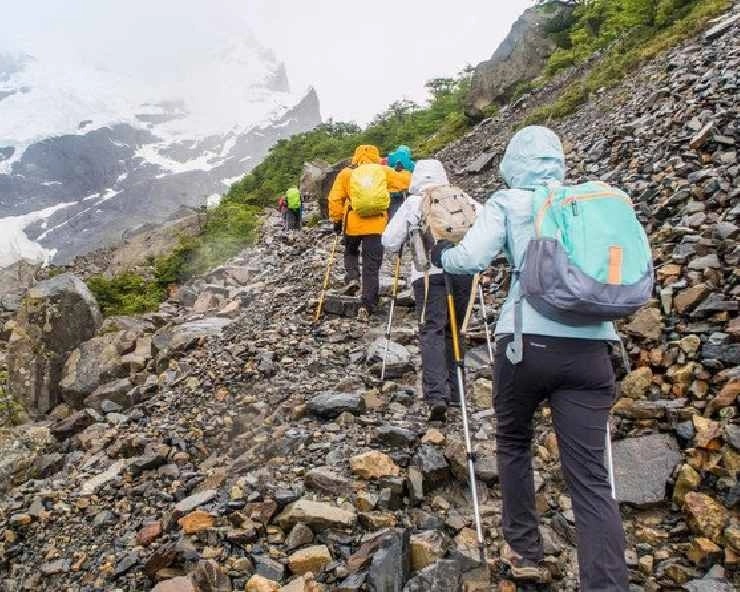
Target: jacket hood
402	156
426	174
534	158
366	154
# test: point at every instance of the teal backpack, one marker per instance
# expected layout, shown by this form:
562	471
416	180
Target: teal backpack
589	260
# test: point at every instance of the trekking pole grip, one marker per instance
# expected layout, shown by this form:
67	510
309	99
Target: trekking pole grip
453	321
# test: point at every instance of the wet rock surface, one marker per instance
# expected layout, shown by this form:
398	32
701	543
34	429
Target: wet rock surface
259	451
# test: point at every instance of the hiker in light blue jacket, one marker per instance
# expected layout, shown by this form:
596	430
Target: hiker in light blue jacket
569	366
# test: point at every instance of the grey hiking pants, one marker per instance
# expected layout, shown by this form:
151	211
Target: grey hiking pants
372	258
576	377
438	371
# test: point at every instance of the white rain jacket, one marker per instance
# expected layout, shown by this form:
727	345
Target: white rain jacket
426	174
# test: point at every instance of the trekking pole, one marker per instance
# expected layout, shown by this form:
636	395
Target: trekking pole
484	314
327	276
471	303
390	314
610	460
464	408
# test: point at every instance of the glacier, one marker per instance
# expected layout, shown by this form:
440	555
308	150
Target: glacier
88	152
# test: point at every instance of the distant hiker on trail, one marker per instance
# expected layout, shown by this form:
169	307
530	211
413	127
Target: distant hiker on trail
358	206
295	208
439	382
400	161
283	209
544	354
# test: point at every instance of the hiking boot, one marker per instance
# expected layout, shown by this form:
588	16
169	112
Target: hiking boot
438	411
363	314
352	288
525	569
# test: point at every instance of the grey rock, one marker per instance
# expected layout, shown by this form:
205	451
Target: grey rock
20	450
268	568
728	354
398	358
114	393
48	464
710	584
642	467
170	340
193	501
486	467
720	28
390	566
732	435
433	466
209	577
299	536
92	485
481	163
331	405
343	306
396	437
701	263
353	583
73	424
441	576
324	480
55	317
93	363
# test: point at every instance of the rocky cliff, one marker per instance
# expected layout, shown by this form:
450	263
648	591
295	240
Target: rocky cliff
520	58
228	443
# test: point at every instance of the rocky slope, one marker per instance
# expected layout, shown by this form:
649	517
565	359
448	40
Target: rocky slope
226	442
89	152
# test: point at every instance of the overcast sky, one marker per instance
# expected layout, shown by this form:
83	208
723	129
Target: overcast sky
359	56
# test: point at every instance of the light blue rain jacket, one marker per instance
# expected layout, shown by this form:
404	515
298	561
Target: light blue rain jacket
534	158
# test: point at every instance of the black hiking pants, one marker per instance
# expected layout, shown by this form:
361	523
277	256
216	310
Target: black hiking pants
293	218
438	371
397	200
576	377
372	258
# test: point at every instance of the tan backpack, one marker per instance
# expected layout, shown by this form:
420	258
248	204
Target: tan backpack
447	213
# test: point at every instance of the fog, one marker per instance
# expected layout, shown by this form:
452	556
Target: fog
360	57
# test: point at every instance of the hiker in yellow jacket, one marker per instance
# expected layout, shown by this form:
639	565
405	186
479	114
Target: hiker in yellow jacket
360	231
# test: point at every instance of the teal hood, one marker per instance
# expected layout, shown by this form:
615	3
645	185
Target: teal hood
533	158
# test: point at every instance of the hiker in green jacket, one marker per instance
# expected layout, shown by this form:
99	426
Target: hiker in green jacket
295	208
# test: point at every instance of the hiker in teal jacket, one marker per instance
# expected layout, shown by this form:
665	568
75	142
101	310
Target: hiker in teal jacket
567	365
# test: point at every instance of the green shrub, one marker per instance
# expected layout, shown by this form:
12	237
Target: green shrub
686	18
126	293
313	221
596	24
11	412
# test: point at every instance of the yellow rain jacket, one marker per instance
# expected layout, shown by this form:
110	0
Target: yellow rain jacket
401	182
339	203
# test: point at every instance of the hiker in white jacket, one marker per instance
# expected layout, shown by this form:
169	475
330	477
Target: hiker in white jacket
439	381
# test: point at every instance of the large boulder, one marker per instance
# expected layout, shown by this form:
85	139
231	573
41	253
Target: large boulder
94	363
520	58
316	182
15	280
54	318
